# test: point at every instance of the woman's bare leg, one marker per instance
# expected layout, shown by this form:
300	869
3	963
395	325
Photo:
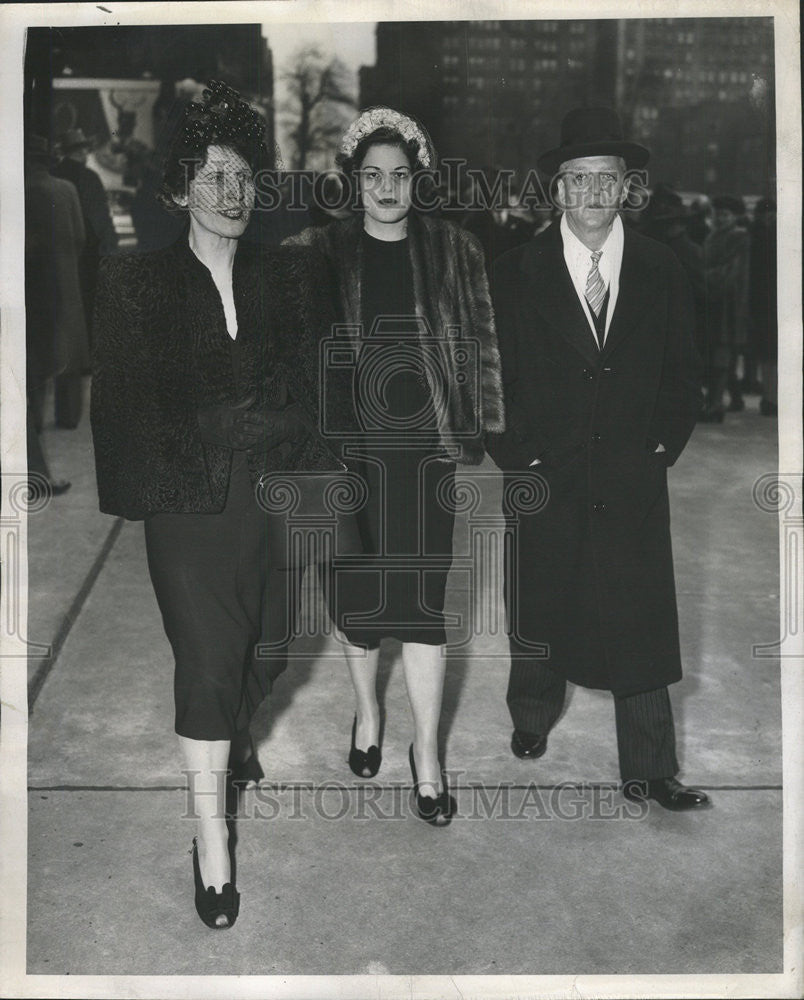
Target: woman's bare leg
206	760
425	667
362	665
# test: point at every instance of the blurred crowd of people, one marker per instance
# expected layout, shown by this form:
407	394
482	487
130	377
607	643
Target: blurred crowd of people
68	228
729	257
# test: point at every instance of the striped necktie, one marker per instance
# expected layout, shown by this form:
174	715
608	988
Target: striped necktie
595	286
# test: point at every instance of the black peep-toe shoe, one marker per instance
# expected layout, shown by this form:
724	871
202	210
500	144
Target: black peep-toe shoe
437	811
364	763
211	905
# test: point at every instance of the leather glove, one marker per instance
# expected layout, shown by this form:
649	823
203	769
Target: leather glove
270	428
224	424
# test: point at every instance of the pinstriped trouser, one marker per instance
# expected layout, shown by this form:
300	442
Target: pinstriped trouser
646	740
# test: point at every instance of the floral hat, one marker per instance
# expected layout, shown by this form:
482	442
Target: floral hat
376	118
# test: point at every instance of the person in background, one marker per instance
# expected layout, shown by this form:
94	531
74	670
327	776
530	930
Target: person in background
764	330
666	219
101	240
699	224
726	251
55	327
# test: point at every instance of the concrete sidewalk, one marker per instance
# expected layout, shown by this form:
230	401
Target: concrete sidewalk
338	876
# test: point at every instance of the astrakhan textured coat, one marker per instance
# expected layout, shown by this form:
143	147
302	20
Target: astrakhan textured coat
162	351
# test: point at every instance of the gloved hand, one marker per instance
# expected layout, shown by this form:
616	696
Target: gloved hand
242	428
224	424
273	427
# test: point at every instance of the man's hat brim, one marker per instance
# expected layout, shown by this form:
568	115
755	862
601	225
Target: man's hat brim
635	156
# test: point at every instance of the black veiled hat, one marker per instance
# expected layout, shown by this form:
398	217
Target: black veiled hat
592	132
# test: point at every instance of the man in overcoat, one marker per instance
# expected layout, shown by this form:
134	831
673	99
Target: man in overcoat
602	391
101	240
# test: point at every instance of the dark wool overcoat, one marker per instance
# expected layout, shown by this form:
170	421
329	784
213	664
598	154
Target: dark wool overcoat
452	294
593	567
100	231
162	351
56	332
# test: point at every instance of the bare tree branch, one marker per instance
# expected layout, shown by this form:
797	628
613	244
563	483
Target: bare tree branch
319	93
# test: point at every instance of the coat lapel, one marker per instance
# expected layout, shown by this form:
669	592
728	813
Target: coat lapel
637	293
553	294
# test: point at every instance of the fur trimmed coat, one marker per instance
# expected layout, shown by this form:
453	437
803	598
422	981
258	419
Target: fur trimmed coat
452	296
162	351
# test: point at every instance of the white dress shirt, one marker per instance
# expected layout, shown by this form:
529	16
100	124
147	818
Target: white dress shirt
578	258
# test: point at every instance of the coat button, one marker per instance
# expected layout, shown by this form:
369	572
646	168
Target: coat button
596	438
589	374
598	507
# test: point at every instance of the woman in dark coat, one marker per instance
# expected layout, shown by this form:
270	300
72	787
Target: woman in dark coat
422	350
201	349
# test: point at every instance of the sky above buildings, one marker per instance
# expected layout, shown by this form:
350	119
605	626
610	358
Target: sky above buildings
352	42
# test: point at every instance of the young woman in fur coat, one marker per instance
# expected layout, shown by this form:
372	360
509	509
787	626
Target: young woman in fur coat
201	349
418	340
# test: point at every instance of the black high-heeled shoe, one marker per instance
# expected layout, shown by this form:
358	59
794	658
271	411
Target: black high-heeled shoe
362	761
211	905
436	810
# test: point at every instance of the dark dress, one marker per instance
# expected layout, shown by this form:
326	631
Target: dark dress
221	587
398	589
162	351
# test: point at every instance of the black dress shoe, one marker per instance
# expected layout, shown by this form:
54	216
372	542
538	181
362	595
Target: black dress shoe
364	763
668	792
527	746
218	910
438	810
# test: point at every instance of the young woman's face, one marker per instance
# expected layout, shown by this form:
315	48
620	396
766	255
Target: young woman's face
385	182
221	195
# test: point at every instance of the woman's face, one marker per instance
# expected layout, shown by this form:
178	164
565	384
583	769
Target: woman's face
221	195
385	182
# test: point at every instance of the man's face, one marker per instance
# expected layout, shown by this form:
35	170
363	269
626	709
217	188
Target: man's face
591	190
724	219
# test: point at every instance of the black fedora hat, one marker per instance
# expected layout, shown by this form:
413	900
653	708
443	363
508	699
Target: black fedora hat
592	132
730	202
665	205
